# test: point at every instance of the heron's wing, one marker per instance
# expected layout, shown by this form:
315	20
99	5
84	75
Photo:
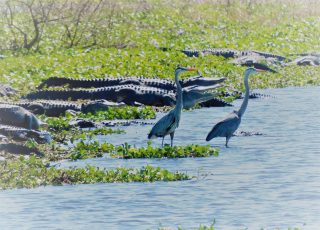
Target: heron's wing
225	127
164	125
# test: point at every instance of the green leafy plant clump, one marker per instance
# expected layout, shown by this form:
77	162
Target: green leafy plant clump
93	149
120	113
85	150
126	151
33	172
126	112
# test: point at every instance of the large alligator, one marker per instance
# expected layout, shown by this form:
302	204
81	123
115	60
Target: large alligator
142	81
22	134
276	57
258	62
87	123
311	60
129	94
224	52
18	116
232	53
239	95
55	108
214	102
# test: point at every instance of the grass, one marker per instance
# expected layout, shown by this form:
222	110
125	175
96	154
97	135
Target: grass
33	172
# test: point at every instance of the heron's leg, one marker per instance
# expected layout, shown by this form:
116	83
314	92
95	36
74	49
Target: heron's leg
227	140
171	136
162	141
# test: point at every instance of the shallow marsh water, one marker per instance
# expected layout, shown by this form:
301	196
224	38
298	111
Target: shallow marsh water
260	181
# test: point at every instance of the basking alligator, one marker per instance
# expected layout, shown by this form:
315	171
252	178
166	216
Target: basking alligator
312	60
267	55
87	123
214	102
252	95
232	53
22	134
142	81
123	93
224	52
53	108
255	61
18	116
129	94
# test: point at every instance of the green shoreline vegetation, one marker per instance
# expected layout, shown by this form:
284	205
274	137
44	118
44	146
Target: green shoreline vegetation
139	38
33	172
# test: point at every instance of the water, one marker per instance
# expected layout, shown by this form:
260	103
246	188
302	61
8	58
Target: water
260	181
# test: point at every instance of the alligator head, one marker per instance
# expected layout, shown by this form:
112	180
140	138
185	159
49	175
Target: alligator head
32	122
191	98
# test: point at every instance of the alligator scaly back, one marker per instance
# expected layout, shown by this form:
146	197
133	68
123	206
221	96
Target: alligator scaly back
22	134
164	84
224	52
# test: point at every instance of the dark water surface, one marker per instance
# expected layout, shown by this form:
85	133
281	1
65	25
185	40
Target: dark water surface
260	181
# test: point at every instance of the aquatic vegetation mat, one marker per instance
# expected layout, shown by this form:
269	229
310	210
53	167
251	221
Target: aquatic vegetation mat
127	151
33	172
88	148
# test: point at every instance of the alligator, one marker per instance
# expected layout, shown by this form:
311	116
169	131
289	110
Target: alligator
142	81
224	52
86	123
22	134
266	55
306	54
255	61
6	90
18	116
98	105
214	102
252	95
54	108
311	60
192	98
129	94
232	53
14	148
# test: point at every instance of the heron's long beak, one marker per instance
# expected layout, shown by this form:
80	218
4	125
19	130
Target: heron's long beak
191	69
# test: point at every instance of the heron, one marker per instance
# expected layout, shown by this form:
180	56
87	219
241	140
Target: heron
227	126
168	124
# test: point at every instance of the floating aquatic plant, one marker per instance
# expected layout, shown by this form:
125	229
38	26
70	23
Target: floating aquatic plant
127	151
33	172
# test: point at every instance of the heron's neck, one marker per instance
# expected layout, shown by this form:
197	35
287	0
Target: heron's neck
179	99
246	96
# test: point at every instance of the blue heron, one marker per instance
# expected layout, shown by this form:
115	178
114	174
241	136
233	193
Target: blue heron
227	126
168	124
